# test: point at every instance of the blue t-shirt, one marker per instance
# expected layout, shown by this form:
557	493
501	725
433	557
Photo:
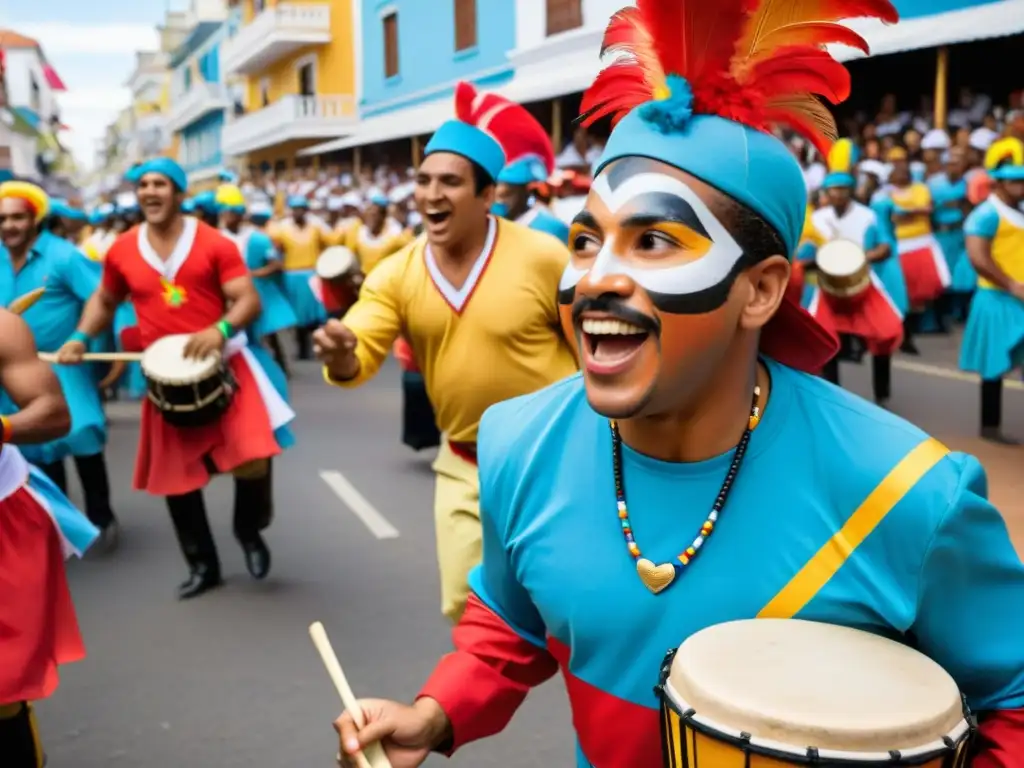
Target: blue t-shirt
983	221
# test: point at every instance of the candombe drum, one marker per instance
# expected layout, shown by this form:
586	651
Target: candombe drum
767	693
186	392
843	271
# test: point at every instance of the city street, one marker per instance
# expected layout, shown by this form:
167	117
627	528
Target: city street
231	679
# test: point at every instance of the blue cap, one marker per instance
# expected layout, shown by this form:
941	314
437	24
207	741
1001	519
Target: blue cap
188	205
162	165
1008	173
470	142
744	163
297	201
378	198
206	201
834	180
526	170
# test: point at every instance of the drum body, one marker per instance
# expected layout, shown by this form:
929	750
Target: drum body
843	272
792	693
188	393
338	270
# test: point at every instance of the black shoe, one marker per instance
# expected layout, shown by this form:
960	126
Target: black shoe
909	347
202	579
257	557
995	435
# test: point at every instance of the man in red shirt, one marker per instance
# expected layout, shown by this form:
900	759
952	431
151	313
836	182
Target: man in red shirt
184	277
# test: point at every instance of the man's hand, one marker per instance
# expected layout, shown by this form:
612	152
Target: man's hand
71	352
205	343
408	734
335	347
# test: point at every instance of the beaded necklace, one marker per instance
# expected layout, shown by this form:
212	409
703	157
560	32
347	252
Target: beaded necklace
658	577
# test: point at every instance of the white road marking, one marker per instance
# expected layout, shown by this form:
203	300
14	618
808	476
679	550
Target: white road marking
375	522
952	374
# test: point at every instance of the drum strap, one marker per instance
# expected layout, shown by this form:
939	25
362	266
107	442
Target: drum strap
816	573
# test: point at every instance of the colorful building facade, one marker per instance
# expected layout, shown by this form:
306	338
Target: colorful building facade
297	61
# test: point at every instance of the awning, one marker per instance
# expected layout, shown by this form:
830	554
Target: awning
53	79
400	124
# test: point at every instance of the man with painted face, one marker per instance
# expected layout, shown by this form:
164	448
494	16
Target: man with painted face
475	298
656	494
184	277
31	258
993	342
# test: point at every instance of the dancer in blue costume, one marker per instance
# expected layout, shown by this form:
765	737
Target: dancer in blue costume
949	194
33	259
263	261
993	342
301	242
627	508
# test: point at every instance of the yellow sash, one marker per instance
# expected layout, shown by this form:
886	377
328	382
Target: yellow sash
816	573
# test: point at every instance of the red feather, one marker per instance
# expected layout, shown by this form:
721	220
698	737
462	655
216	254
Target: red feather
465	94
812	34
616	90
800	70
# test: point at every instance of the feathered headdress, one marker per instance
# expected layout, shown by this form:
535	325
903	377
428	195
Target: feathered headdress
757	62
510	124
842	159
31	194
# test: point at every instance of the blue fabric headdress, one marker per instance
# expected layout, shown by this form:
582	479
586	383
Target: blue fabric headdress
162	165
466	136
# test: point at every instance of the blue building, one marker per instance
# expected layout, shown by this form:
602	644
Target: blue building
199	103
413	53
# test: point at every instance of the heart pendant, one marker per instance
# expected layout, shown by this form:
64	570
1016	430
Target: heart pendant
655	577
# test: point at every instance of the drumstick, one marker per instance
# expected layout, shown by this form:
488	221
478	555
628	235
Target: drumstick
98	357
22	303
373	755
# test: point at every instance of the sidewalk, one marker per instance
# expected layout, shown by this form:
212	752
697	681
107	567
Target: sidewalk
1003	465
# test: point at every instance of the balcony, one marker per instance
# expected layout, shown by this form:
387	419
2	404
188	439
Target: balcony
198	101
275	33
292	118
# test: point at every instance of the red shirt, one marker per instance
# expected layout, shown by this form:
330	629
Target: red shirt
183	294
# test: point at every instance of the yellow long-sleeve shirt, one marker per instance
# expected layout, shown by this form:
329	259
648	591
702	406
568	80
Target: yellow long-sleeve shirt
299	247
495	338
371	250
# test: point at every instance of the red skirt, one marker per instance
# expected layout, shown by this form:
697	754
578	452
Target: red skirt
872	316
38	628
172	461
925	270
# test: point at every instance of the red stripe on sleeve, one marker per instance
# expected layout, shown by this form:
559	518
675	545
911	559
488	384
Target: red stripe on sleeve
481	685
1000	739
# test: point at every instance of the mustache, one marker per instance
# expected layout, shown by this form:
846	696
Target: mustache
614	306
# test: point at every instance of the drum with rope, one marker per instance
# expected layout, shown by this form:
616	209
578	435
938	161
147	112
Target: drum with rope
186	392
768	693
843	271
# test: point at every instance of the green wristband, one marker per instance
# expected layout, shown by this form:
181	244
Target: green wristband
225	328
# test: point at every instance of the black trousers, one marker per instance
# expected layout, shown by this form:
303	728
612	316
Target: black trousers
991	403
253	512
881	375
19	738
304	340
273	342
92	473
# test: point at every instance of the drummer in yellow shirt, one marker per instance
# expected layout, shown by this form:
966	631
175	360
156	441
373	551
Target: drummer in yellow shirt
301	241
376	236
476	298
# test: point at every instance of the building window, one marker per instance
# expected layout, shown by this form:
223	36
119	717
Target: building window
465	24
391	45
564	15
35	98
265	92
305	70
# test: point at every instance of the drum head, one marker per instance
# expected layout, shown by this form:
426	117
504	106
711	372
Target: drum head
335	262
803	684
841	258
164	361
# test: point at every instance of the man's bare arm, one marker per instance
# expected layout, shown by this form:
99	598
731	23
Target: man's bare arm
30	382
98	313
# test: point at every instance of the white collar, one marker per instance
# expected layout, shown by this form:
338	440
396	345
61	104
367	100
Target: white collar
1007	212
457	297
169	269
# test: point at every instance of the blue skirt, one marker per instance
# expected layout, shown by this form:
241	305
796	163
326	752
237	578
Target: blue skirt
133	383
307	307
88	432
993	343
890	273
277	314
284	435
75	529
964	277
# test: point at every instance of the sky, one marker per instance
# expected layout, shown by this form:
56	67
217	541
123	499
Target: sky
92	46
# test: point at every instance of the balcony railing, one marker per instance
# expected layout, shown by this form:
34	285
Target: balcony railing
198	101
275	33
289	119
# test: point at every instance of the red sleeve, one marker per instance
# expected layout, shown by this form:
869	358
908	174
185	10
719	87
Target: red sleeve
1000	741
481	685
114	281
227	259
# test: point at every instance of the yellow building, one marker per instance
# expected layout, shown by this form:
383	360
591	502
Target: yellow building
298	77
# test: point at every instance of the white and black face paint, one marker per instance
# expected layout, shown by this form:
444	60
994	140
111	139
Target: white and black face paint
639	196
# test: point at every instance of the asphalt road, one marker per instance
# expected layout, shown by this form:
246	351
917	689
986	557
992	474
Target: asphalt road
231	679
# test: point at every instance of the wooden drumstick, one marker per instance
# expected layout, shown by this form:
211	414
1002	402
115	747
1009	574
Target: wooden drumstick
98	357
22	303
372	755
